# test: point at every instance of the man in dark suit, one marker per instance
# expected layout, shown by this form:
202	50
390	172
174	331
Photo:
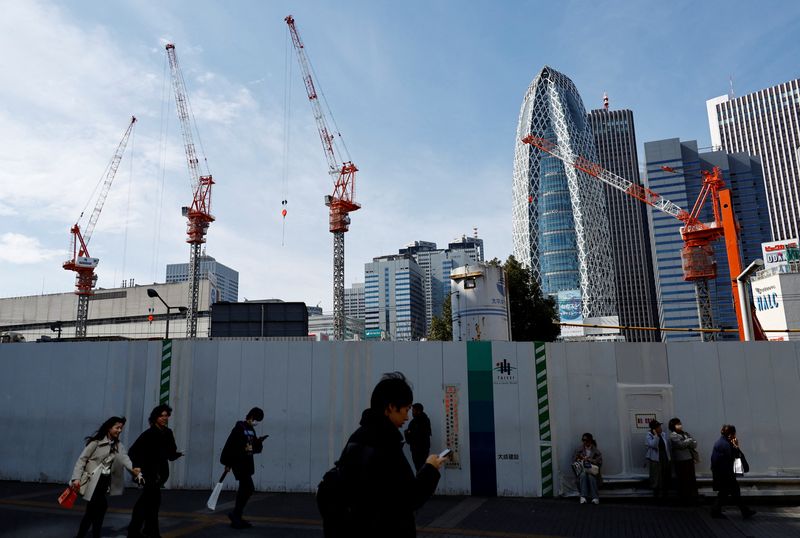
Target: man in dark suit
418	435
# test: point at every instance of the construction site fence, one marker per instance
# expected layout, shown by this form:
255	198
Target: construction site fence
513	412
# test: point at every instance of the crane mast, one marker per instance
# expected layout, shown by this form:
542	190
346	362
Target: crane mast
697	254
198	214
341	202
80	261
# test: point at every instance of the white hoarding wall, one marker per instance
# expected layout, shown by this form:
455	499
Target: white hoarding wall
313	393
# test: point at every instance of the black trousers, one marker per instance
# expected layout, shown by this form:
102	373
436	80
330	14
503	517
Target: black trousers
145	511
246	489
96	509
731	490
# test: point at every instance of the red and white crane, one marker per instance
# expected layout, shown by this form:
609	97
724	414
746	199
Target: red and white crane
697	254
341	202
81	262
198	214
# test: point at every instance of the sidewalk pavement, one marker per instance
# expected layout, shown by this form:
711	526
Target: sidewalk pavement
30	510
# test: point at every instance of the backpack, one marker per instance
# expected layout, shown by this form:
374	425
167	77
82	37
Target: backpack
335	493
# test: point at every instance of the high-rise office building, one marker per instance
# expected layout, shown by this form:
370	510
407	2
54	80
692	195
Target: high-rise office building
354	301
436	265
560	221
674	171
472	247
224	280
615	142
766	123
394	302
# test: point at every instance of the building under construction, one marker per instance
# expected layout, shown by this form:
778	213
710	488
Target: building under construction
128	312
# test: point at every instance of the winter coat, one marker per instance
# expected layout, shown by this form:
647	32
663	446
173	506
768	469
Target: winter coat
87	469
152	451
683	446
418	433
595	459
235	454
386	492
651	442
722	457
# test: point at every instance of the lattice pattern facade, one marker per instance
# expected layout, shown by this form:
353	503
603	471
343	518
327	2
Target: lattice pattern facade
560	222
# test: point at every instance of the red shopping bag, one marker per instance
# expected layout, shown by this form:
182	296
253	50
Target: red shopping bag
67	499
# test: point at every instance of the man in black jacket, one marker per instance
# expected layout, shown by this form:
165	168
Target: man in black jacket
418	435
237	455
152	451
384	491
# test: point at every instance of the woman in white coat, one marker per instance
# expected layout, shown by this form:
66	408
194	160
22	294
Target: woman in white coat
99	470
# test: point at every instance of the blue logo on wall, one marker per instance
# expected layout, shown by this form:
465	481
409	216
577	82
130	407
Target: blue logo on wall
501	286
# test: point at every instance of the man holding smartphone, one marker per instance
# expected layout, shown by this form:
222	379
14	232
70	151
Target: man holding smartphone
237	456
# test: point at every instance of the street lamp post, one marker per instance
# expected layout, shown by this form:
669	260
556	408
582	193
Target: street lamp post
182	309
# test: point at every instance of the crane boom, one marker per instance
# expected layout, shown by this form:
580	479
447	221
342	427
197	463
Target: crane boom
697	255
80	261
198	214
342	201
644	194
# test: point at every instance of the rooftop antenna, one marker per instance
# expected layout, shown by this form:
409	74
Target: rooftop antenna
731	95
605	101
475	232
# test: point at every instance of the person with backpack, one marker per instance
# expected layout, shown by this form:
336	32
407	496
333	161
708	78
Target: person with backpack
237	455
373	491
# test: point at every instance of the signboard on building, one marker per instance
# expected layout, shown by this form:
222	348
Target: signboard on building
570	311
372	334
777	253
505	371
769	305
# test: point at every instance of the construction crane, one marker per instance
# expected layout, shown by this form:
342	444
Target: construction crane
198	214
341	202
80	260
697	254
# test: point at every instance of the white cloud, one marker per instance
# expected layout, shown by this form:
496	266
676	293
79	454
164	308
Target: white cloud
21	249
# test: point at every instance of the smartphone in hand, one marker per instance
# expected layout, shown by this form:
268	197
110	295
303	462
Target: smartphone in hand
444	453
261	438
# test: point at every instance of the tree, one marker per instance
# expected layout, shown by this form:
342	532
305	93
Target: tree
532	315
442	326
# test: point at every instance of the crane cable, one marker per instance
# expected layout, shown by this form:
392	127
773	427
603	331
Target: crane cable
162	163
128	204
287	111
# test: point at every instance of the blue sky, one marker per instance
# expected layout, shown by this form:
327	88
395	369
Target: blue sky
426	95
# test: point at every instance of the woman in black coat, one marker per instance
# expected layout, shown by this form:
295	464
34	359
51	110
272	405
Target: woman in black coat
385	490
152	451
726	450
237	455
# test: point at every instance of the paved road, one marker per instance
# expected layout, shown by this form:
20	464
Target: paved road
30	510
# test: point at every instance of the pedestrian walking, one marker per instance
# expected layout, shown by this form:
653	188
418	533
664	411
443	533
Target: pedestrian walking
152	451
587	464
724	458
99	471
684	458
418	435
658	458
237	456
382	491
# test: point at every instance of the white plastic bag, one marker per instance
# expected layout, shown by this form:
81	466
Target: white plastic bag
738	468
214	497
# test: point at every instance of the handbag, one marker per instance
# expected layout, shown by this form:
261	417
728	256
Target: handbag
738	468
592	469
68	497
